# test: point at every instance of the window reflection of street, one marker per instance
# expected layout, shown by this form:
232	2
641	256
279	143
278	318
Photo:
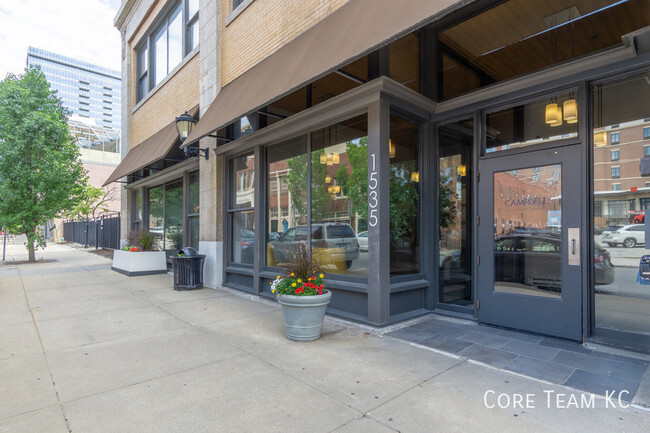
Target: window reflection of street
528	231
621	140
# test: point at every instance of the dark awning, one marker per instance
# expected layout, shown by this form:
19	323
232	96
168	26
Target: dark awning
149	151
354	29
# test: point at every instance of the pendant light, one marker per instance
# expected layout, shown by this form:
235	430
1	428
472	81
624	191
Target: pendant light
415	176
461	170
391	148
323	158
335	158
558	117
570	110
551	113
329	159
328	179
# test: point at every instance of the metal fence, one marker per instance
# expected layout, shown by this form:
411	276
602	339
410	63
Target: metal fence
103	232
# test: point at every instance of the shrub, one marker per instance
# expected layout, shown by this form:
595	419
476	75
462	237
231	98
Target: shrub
143	239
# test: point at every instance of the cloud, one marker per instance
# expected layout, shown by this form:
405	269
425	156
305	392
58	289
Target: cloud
82	29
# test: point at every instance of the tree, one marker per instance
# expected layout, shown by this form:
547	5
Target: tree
41	176
93	202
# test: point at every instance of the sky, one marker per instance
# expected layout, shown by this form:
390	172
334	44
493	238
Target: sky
82	29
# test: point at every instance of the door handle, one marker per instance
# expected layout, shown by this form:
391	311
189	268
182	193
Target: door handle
574	253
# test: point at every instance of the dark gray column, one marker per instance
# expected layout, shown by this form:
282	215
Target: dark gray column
378	212
260	226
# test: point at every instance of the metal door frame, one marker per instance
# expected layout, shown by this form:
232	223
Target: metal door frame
563	316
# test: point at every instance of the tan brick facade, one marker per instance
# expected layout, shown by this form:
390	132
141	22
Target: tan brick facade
179	93
264	27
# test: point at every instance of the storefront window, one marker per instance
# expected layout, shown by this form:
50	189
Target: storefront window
174	216
620	275
156	212
455	212
242	213
286	200
136	221
549	119
193	210
339	196
404	197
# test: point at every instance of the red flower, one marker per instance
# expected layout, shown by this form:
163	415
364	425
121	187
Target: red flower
299	290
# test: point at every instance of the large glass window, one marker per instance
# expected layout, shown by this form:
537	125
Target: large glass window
455	211
165	47
619	275
242	212
156	206
339	196
286	200
541	121
193	210
136	219
404	197
174	216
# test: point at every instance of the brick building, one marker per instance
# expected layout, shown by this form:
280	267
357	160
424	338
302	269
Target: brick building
402	119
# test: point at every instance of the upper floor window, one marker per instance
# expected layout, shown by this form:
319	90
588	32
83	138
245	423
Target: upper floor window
646	133
646	151
615	155
616	138
175	36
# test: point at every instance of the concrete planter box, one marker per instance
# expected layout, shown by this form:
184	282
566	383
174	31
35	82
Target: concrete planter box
304	315
139	262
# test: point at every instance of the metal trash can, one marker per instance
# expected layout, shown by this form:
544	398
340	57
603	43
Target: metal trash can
188	270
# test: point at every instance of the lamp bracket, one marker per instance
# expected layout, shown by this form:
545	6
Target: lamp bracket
195	151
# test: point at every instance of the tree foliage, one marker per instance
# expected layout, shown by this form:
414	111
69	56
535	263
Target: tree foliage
93	202
41	176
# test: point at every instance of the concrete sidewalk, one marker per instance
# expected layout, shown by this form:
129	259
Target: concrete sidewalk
85	349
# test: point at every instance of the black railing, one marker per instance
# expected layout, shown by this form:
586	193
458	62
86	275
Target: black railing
102	232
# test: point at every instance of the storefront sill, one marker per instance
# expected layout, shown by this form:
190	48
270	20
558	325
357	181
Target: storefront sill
407	286
240	271
620	340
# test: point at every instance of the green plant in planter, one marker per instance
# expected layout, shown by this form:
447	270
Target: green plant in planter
302	277
143	239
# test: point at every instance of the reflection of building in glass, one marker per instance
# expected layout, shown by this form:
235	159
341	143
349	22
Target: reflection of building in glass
621	193
527	198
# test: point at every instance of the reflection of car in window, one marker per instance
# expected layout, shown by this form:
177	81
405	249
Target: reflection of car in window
333	243
247	241
629	236
362	238
536	260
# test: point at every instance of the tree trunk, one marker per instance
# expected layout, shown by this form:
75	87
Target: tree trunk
30	246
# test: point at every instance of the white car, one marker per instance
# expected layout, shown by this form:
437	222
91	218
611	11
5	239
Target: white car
362	238
629	236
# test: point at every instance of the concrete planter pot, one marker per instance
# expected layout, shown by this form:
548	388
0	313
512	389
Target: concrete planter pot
304	315
139	262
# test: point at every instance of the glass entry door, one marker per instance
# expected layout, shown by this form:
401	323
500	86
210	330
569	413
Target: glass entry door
529	243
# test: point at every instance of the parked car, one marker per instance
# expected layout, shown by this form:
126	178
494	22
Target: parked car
333	243
629	236
247	242
536	260
362	238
